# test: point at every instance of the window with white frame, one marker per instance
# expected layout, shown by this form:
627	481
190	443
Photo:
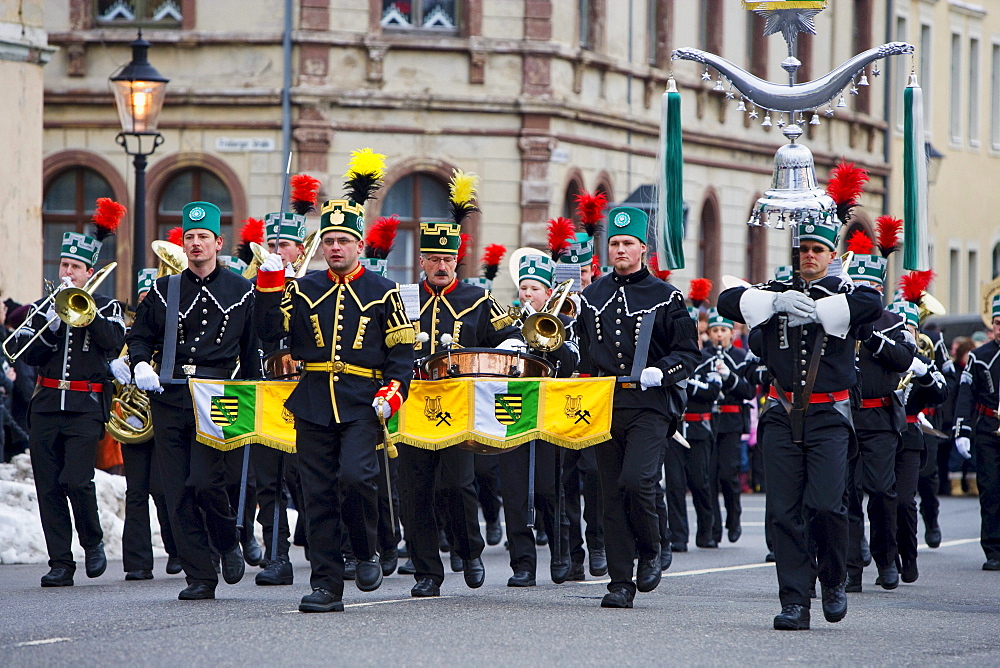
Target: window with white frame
974	72
972	296
954	278
955	99
437	15
897	71
158	13
926	62
995	98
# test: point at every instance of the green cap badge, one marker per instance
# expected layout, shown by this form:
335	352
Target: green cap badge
202	216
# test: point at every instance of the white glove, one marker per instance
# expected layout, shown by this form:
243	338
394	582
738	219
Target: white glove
121	371
272	263
713	377
723	369
909	338
146	379
923	421
54	322
964	446
918	368
651	377
511	344
793	302
382	408
133	422
67	281
799	321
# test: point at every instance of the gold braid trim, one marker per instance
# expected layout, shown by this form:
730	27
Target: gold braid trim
400	335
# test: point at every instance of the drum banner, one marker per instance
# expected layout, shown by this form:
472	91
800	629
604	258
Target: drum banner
574	413
230	414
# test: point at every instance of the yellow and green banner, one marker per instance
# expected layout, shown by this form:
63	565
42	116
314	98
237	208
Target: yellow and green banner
232	413
574	412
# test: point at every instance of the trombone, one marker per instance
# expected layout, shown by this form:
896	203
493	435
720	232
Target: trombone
300	265
543	330
74	306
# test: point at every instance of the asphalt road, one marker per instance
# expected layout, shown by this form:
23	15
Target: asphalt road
714	608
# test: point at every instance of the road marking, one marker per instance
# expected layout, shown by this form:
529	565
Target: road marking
949	543
46	641
366	604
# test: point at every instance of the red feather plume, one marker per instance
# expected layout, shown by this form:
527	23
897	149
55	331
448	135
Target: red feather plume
889	229
252	230
914	284
595	268
463	248
381	236
176	236
304	190
561	230
699	291
847	182
654	269
492	256
860	243
107	217
590	208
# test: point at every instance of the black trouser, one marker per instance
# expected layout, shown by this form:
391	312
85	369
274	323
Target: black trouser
580	476
805	488
514	466
388	523
194	483
488	485
265	462
987	453
142	479
687	468
928	483
872	472
724	476
234	480
417	469
338	470
63	447
907	473
627	465
661	499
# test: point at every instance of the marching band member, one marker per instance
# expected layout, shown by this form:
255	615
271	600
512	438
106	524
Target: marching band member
976	418
70	405
459	314
879	422
349	327
195	324
731	421
806	480
633	325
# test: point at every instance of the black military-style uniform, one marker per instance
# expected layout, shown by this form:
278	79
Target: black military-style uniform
807	480
878	423
922	393
66	420
213	335
514	466
352	334
934	473
976	418
731	421
612	311
474	319
688	468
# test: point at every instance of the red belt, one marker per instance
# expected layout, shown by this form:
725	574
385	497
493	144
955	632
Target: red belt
911	419
729	408
878	402
989	412
697	417
72	385
930	411
817	397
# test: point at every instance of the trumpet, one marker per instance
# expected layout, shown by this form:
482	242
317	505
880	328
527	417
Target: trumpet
299	267
925	347
543	330
74	306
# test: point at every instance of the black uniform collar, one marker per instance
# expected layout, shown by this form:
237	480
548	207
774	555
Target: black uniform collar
634	277
439	290
197	280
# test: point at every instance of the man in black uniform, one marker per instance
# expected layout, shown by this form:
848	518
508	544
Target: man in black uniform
634	326
195	324
67	414
806	473
459	314
976	420
349	327
878	422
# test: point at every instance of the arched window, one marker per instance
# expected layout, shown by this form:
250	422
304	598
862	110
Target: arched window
573	188
996	260
68	206
709	243
193	185
417	197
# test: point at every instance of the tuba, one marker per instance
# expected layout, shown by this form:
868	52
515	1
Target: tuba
544	330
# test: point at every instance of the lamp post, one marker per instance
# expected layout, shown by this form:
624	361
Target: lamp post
139	91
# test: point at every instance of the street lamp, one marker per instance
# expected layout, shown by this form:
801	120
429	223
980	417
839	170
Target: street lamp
139	91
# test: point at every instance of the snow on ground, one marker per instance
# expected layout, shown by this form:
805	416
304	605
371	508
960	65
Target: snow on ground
21	537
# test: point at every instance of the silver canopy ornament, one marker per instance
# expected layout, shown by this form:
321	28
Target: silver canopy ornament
795	196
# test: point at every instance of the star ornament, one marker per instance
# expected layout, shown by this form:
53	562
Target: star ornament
789	22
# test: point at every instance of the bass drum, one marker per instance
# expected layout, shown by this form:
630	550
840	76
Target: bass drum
485	363
281	366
